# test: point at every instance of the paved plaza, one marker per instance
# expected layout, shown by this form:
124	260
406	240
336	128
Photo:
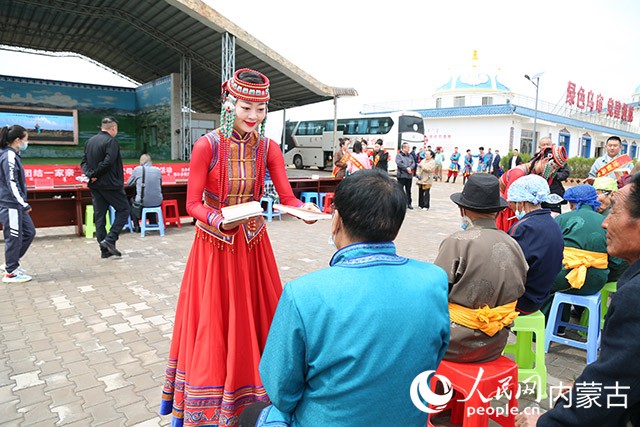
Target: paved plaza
85	343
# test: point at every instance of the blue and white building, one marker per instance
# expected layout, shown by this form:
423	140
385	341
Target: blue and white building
475	109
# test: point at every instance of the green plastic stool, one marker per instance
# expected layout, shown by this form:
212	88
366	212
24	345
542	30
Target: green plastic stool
89	225
608	288
532	366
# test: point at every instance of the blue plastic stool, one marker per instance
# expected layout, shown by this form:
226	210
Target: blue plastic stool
112	216
321	200
143	221
307	196
592	303
269	212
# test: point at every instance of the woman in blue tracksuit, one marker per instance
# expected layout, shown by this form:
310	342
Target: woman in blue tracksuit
14	210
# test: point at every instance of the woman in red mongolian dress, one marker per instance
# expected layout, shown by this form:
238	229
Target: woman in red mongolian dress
231	284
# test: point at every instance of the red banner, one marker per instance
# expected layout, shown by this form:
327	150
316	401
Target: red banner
50	175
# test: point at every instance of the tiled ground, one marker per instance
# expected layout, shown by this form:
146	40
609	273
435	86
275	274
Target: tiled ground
85	342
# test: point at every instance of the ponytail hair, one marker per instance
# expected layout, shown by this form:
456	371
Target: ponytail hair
8	134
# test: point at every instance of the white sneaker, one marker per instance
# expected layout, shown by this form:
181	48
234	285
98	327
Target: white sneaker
15	277
3	267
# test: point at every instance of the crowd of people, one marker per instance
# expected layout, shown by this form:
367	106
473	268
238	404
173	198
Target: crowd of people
341	346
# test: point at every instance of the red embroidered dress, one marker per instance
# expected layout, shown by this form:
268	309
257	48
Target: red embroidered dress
230	287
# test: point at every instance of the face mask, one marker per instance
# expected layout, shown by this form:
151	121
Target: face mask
519	214
24	147
465	222
331	242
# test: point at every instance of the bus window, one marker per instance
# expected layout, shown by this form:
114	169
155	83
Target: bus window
410	124
328	126
302	129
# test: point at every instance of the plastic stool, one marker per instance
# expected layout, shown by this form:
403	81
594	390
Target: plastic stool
592	303
112	216
607	289
463	376
531	363
89	224
269	212
143	221
327	202
171	205
307	196
321	197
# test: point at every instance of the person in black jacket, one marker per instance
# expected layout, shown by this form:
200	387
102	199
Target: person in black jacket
617	401
102	164
380	156
514	160
495	169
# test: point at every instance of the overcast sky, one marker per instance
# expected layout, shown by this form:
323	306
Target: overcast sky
405	49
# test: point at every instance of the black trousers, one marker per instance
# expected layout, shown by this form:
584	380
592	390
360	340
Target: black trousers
19	231
424	197
101	201
406	184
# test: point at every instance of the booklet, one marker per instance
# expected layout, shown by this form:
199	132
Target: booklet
301	213
241	211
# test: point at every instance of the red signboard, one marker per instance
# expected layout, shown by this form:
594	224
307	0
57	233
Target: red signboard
49	175
615	109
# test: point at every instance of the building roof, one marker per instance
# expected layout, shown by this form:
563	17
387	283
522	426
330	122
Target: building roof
473	78
144	40
509	109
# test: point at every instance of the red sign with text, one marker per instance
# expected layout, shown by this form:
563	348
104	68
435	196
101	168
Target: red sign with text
50	175
586	101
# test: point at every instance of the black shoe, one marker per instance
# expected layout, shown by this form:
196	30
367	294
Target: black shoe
409	207
136	229
106	254
110	247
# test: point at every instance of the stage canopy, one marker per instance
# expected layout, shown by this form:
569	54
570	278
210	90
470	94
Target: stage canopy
146	39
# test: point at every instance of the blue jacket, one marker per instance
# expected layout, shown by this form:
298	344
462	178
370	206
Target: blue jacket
13	186
540	238
346	342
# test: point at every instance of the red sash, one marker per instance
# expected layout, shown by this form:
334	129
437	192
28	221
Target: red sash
356	162
344	159
614	164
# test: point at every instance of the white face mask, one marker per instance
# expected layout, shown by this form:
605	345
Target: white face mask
519	214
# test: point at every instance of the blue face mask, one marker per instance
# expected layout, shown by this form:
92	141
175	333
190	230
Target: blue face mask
465	222
519	214
24	147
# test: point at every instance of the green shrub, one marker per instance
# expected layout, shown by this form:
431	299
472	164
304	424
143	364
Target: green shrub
504	161
580	166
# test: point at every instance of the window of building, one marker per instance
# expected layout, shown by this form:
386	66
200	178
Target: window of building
487	100
438	102
564	140
633	152
625	146
458	101
585	146
526	141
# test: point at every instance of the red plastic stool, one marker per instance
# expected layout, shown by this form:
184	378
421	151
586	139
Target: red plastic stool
327	202
498	375
174	217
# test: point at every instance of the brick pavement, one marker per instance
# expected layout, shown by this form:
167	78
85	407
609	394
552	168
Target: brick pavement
85	343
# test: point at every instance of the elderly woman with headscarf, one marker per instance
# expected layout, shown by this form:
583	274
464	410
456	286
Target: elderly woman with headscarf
545	163
586	263
538	235
605	187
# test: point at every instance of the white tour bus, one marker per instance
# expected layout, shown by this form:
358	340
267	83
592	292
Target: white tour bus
310	142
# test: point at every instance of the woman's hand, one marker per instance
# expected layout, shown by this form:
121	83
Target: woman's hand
311	207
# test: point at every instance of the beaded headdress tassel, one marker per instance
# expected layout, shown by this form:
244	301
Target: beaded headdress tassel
232	90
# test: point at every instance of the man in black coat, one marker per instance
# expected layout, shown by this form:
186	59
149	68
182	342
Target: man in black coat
102	164
495	167
615	373
514	160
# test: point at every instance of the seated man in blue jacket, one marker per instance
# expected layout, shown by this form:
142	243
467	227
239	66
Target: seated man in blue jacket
347	341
